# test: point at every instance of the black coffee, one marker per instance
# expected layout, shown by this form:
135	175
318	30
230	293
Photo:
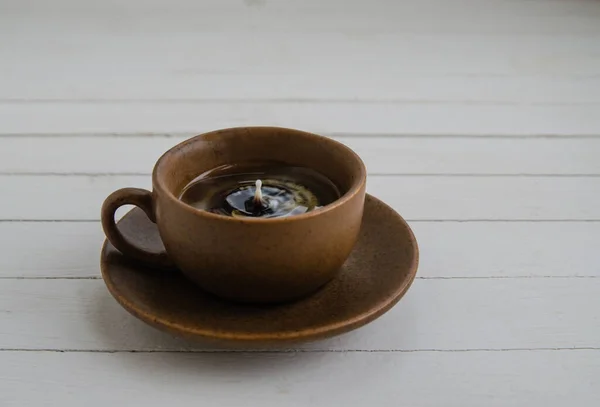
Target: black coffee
260	190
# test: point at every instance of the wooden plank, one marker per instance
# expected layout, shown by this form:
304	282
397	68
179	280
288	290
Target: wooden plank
435	314
533	9
474	379
141	85
534	52
504	72
504	249
190	54
495	249
203	37
121	154
56	197
537	75
51	249
448	68
328	117
405	17
475	328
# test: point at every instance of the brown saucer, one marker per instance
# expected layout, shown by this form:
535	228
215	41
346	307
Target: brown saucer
379	271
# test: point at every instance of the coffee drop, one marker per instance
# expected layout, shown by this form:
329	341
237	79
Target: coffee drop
260	190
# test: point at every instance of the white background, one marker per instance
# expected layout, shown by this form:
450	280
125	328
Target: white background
479	122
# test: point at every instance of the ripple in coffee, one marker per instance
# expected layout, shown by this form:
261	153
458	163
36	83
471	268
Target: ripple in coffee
260	190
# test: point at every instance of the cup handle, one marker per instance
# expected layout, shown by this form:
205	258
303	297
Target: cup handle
143	200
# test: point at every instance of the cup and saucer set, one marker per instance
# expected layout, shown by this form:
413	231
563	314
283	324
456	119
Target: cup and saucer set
257	236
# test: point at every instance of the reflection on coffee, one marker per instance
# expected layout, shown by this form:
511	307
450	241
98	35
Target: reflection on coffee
260	190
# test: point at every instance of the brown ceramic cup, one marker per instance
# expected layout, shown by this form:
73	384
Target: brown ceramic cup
248	259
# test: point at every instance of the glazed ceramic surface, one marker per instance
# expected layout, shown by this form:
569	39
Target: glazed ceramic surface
245	259
378	272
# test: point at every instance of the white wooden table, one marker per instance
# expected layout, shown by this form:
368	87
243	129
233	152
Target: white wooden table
482	115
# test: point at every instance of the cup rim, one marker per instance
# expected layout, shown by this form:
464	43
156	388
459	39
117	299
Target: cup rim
356	187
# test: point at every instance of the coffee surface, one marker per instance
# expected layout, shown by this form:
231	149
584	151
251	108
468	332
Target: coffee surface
260	190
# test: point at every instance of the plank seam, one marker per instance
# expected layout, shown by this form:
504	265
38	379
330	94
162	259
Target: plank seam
283	351
287	101
185	135
517	277
387	174
28	220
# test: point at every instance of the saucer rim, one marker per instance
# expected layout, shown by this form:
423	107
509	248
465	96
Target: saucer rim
303	335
